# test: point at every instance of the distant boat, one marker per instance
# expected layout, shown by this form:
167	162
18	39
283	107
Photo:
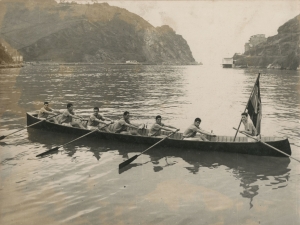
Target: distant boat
228	63
132	62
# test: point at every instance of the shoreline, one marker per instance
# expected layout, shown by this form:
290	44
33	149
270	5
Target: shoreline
4	66
87	63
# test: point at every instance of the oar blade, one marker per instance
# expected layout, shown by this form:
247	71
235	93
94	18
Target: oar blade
47	152
2	137
127	162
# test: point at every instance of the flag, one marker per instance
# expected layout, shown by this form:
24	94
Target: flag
254	107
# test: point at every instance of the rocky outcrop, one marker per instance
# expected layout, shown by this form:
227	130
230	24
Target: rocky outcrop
281	51
70	32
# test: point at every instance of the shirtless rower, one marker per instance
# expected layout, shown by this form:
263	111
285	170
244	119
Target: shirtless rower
97	121
46	111
248	126
68	116
155	130
121	126
192	130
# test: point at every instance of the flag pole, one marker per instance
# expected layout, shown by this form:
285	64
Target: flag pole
237	130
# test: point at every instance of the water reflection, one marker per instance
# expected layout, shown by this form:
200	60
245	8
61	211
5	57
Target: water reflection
249	170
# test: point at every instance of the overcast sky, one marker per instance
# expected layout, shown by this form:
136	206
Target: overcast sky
214	29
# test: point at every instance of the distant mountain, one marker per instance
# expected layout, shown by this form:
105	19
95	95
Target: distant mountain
280	51
45	30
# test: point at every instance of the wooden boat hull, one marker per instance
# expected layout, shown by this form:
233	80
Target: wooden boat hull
251	148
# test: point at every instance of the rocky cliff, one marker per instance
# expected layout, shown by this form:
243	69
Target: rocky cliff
281	51
43	30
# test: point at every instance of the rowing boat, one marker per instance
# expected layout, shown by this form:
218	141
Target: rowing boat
219	143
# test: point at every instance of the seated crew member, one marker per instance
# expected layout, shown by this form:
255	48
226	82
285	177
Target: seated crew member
191	131
46	111
96	121
121	126
68	116
248	126
155	130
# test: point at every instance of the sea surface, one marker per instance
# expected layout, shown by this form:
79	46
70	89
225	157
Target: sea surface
81	184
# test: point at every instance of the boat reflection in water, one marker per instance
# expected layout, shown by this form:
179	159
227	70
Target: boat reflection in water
248	169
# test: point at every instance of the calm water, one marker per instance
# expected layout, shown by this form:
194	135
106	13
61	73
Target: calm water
81	184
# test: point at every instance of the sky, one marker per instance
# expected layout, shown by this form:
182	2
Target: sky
214	29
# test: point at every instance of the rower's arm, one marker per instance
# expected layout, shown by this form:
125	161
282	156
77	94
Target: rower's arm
75	116
56	111
165	128
170	126
105	118
99	121
244	132
132	126
47	112
205	132
51	111
249	132
254	129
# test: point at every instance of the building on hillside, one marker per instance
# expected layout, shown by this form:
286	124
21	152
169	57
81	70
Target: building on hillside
228	63
255	40
13	53
132	62
17	58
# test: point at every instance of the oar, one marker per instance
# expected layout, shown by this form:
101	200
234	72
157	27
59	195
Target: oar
4	136
56	148
276	149
128	161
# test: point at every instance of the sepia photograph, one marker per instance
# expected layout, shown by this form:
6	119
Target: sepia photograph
149	112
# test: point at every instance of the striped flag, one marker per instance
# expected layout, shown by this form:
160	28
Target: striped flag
254	107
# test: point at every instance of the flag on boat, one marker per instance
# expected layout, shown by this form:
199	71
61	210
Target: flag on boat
254	106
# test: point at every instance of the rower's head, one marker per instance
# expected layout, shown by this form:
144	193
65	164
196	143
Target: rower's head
244	117
197	121
96	110
70	106
46	105
126	115
158	119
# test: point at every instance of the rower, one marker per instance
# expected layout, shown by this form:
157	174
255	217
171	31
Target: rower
192	130
121	126
249	127
46	111
155	130
96	121
68	116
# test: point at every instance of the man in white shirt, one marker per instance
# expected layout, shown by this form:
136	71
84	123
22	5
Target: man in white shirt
248	126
